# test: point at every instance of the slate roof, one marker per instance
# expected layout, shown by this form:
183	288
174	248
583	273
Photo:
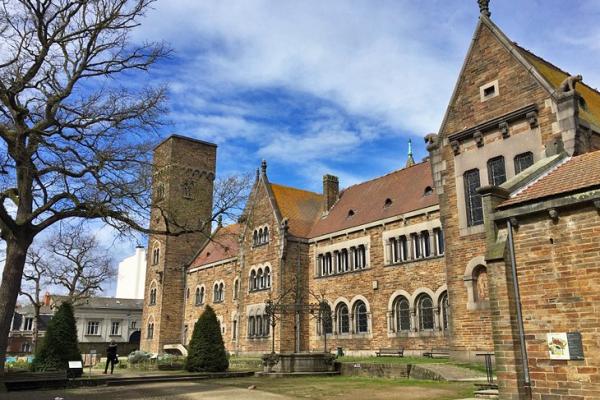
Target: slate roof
113	303
577	173
555	76
300	207
224	244
366	202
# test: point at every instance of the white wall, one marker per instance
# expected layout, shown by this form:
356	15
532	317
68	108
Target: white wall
132	275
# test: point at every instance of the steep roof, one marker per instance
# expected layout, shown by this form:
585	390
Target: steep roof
574	175
113	303
555	76
224	244
300	207
368	201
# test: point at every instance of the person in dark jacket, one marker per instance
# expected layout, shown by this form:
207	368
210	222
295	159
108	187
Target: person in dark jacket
111	356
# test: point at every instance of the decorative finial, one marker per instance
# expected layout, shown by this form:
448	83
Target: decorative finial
410	161
263	167
484	7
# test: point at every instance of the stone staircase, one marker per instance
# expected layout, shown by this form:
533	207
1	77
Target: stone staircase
486	391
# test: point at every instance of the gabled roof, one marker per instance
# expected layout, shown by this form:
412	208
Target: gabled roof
224	244
577	173
300	207
113	303
368	201
555	76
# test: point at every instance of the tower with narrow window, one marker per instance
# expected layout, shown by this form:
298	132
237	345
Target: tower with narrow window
182	190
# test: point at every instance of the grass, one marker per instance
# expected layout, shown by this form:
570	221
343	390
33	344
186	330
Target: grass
393	360
342	387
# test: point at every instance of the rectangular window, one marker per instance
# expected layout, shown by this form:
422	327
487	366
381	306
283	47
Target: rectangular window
439	238
93	328
474	206
416	246
523	161
426	244
115	328
234	330
403	248
496	171
28	324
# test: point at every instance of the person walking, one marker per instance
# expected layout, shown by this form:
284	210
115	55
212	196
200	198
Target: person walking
111	356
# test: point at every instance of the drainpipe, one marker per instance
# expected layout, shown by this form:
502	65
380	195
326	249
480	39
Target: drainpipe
513	265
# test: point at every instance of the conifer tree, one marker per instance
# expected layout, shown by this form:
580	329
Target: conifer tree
206	350
60	342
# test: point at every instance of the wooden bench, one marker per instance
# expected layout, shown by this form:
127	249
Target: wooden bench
390	352
437	353
30	380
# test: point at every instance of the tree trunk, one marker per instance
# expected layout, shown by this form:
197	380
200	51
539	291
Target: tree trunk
16	252
36	324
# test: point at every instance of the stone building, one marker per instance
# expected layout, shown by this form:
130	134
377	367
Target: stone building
421	258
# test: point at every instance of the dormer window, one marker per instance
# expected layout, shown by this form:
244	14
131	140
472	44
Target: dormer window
388	202
350	213
428	191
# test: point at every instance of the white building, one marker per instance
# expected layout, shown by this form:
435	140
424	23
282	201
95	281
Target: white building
131	276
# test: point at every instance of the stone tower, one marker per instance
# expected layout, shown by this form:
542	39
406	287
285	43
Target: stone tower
182	190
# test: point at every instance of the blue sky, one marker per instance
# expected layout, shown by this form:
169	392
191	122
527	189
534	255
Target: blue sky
334	86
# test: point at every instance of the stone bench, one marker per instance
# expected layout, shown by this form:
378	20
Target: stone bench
390	352
437	353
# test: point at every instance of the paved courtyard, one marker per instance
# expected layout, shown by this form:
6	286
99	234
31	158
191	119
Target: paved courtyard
286	388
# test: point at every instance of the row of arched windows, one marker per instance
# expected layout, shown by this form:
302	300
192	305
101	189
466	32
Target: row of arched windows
258	326
415	246
341	261
403	317
260	236
260	279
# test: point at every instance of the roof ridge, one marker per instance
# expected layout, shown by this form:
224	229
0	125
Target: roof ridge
386	175
551	64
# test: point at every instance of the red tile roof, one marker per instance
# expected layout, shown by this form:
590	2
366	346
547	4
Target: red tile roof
300	207
577	173
366	202
224	244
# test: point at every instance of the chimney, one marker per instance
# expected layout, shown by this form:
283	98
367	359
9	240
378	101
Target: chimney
47	299
331	191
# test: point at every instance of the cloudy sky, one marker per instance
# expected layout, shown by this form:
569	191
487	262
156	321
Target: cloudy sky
335	86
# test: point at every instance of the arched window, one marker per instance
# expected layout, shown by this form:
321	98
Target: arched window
403	246
401	314
155	254
216	293
255	238
236	289
221	291
444	311
198	296
260	236
201	295
150	330
261	279
326	319
152	296
259	326
267	323
425	311
267	277
343	318
251	326
266	235
480	281
253	280
426	244
361	317
360	257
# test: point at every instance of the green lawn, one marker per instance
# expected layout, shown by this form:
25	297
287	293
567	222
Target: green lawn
345	387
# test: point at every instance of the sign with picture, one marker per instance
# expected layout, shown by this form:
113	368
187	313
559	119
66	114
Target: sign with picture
565	346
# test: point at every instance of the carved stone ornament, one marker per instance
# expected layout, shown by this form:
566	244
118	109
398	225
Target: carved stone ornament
455	147
532	118
478	136
503	126
484	7
553	214
431	141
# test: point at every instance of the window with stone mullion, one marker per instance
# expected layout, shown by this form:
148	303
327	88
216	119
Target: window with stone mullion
474	206
496	171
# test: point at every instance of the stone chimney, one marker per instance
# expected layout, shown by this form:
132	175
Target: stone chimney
47	299
331	191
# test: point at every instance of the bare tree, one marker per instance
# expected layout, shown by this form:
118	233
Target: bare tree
74	141
78	263
36	276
